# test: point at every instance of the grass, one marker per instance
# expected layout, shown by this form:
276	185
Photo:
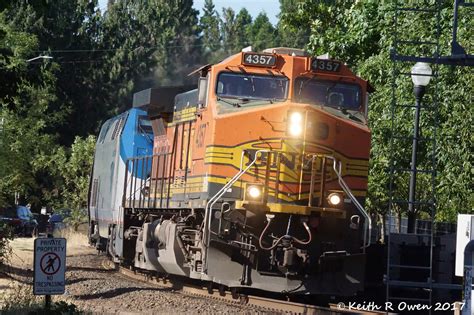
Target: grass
18	297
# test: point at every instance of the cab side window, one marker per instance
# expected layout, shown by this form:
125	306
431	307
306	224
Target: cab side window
144	125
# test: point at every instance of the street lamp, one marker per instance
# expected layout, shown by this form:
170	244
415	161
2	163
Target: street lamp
39	57
421	76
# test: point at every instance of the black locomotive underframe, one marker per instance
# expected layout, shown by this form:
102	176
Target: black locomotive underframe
328	270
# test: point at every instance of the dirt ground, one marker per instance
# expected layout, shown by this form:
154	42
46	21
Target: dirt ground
94	287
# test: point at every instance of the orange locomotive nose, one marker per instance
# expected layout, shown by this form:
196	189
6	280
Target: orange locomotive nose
290	133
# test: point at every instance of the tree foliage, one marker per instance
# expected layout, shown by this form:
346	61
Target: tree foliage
361	33
26	117
75	169
99	60
50	107
291	34
230	32
262	34
72	27
209	23
6	235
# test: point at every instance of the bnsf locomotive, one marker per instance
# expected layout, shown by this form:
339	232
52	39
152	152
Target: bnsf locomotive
254	179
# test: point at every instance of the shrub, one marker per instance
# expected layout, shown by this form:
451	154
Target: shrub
20	300
6	235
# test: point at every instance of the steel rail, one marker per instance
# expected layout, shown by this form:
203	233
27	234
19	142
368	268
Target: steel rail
263	303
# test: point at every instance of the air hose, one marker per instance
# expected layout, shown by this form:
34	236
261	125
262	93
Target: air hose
275	243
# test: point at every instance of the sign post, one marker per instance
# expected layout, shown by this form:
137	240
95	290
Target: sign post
468	261
49	267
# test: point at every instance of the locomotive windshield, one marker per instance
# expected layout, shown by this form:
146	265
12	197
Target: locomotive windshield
328	93
252	86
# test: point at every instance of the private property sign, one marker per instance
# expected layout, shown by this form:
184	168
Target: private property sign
50	266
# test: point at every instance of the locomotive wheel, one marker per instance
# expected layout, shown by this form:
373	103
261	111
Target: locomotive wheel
210	288
221	290
235	293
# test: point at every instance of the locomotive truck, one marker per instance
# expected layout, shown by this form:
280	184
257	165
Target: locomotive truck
254	178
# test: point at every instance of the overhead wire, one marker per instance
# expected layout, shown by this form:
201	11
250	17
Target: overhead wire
67	51
104	50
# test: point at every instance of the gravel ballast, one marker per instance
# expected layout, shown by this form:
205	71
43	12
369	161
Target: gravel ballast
93	287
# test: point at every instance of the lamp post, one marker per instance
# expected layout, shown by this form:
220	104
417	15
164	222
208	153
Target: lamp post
17	194
421	76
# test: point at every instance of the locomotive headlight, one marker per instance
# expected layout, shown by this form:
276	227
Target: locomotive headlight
295	124
254	192
334	199
296	118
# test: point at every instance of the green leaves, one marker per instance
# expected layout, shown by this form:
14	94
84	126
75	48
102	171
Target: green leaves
262	34
75	170
25	104
101	59
209	24
361	33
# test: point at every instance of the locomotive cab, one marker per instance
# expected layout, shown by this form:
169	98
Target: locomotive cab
121	137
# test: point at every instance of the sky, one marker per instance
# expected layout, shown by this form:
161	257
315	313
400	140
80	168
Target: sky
270	7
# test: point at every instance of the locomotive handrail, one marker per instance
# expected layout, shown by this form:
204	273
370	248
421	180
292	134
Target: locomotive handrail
367	222
130	198
132	194
220	193
132	177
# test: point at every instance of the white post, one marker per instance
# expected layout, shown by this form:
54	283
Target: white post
467	298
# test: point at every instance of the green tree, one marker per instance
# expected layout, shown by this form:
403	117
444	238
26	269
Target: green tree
99	60
6	235
26	115
209	23
361	34
349	30
69	32
243	22
235	30
148	43
289	35
76	169
228	31
262	34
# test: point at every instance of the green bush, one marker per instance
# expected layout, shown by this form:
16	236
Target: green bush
76	218
6	235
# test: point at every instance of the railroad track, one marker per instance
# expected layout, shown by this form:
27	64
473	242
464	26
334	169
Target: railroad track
262	303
